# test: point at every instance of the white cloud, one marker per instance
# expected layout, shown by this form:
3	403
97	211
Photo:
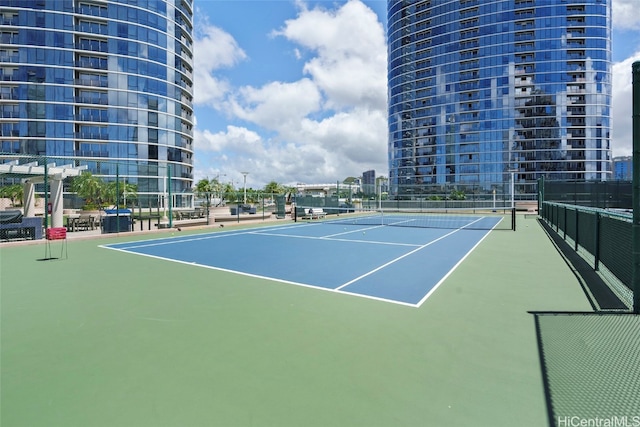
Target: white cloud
213	49
622	107
277	105
350	61
625	14
234	137
323	151
320	128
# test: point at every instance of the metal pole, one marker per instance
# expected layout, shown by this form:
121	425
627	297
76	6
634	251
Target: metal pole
46	195
513	187
541	195
117	198
636	188
170	196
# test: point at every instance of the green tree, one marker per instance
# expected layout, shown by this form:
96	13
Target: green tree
130	190
290	193
203	189
229	193
90	188
457	195
273	188
208	189
217	190
350	180
13	192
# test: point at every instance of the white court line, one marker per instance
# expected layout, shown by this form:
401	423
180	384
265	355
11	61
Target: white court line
455	266
161	241
258	276
402	256
294	236
354	231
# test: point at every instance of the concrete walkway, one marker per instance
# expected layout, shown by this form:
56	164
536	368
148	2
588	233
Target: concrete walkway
150	227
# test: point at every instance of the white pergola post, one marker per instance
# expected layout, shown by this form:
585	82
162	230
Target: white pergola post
28	189
56	202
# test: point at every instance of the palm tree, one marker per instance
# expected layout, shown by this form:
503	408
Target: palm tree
273	188
89	187
229	193
130	190
217	188
290	193
203	189
13	192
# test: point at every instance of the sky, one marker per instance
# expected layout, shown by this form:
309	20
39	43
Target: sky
295	91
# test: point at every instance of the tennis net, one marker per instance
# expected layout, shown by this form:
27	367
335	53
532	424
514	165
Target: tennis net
454	218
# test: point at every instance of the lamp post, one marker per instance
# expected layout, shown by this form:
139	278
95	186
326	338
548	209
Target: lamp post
245	186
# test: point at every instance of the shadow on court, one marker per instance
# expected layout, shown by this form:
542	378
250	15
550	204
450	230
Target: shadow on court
591	367
599	294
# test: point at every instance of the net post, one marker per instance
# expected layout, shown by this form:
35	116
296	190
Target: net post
513	219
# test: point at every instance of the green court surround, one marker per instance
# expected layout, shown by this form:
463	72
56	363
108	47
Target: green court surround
105	338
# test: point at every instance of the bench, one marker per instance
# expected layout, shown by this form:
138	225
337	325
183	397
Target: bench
83	222
14	225
314	213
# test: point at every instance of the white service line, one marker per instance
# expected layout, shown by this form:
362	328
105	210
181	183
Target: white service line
354	231
293	236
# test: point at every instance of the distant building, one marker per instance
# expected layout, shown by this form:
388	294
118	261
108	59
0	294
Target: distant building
369	182
481	89
623	168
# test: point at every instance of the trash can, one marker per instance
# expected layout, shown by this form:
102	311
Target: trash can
116	221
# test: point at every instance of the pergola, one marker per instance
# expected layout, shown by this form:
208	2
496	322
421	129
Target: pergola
34	173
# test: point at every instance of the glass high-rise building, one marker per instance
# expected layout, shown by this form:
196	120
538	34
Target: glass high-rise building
369	182
101	83
623	168
483	90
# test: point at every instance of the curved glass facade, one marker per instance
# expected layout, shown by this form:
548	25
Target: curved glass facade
101	83
483	89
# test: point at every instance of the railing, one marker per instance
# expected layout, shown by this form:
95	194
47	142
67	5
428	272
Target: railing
602	237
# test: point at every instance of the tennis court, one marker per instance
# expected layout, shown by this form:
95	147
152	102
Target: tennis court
354	255
108	338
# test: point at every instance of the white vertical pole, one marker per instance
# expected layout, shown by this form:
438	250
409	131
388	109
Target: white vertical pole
513	186
245	186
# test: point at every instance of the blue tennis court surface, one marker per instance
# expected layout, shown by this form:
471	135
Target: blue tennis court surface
393	264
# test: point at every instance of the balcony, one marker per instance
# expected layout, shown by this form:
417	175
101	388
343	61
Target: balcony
92	82
92	135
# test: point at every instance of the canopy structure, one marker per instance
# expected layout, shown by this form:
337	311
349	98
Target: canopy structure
33	173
